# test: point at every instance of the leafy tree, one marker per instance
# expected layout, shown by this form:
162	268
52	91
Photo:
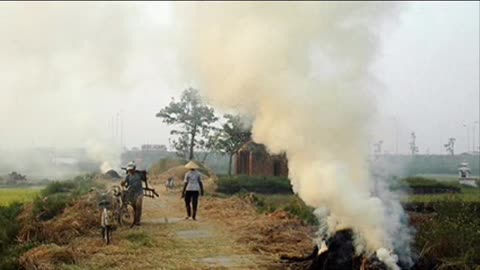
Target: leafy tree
208	144
232	137
194	118
180	145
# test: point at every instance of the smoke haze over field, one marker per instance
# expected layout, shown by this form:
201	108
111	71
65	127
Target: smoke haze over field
67	69
322	81
73	75
302	72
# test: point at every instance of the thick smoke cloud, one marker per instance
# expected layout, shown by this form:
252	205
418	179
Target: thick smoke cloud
301	70
65	69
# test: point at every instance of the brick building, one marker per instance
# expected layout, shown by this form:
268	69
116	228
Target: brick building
253	159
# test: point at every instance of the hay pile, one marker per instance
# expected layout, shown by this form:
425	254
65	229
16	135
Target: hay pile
164	165
234	211
278	233
77	219
275	233
177	173
112	174
47	257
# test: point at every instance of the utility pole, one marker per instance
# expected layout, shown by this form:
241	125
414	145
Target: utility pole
468	137
413	145
112	126
117	130
396	135
473	134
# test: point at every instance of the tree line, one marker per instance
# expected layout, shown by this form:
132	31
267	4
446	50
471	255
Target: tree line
195	133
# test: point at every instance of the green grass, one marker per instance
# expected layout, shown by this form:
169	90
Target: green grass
443	177
140	239
452	235
257	184
19	195
290	203
56	196
9	248
467	195
47	203
418	183
448	182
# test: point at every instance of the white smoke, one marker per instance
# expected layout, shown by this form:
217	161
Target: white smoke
66	69
106	154
301	70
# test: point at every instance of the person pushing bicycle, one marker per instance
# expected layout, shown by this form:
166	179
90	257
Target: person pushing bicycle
133	181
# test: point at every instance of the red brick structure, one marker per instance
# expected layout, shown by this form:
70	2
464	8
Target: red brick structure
254	160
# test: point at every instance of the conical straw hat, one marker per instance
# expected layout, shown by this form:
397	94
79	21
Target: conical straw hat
191	165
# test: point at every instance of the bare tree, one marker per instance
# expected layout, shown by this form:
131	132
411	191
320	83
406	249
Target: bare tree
450	146
413	145
378	148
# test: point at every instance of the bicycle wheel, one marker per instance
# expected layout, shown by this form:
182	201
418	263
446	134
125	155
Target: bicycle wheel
108	235
126	216
105	235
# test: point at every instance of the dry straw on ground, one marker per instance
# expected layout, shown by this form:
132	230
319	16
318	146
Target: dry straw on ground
76	220
48	257
277	233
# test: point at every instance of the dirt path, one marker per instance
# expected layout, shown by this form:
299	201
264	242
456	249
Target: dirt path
167	241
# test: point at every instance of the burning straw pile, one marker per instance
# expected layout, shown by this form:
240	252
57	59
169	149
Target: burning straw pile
339	255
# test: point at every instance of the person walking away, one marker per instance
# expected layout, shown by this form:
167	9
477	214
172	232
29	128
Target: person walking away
192	188
133	181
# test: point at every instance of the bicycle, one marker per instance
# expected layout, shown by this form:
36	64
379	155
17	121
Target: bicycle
107	212
121	213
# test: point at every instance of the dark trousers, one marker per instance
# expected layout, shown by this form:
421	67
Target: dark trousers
137	210
191	197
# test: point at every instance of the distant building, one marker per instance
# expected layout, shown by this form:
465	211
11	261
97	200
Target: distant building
254	160
146	155
464	170
154	147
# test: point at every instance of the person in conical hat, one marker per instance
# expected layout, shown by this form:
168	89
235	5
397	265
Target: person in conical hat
192	188
191	165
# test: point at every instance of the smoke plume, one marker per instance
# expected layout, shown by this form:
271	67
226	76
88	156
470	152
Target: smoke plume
301	70
66	69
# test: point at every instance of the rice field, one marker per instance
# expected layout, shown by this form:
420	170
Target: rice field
467	195
21	195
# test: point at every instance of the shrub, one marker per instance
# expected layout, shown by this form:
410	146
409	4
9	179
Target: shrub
48	207
8	233
453	234
58	187
421	185
53	200
9	229
263	185
299	209
288	203
58	195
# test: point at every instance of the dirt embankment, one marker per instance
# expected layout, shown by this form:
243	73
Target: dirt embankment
229	234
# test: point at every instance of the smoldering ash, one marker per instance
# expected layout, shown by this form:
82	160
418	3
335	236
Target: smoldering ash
301	70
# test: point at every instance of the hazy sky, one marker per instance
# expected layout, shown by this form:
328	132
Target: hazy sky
68	71
430	68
